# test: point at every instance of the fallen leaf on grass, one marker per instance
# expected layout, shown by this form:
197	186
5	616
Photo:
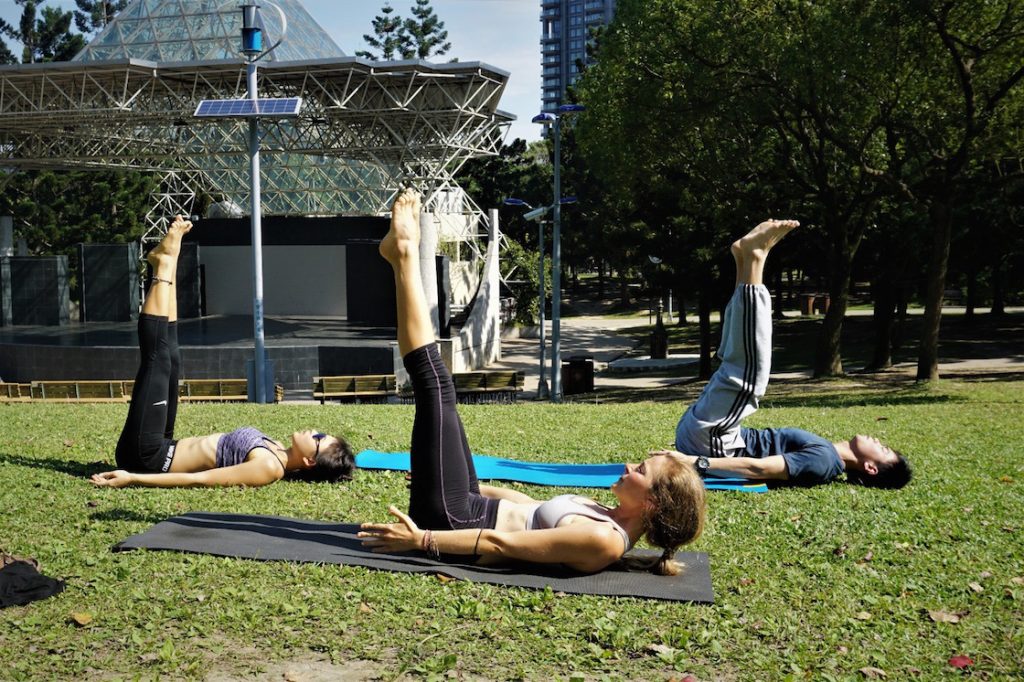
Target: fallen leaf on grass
68	442
976	587
1005	479
661	649
867	557
863	615
960	662
872	673
881	419
444	579
842	649
364	607
746	581
81	618
1017	581
796	517
149	657
92	503
968	510
943	616
984	575
839	551
1009	529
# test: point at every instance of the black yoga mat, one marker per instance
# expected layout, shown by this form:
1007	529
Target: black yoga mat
278	538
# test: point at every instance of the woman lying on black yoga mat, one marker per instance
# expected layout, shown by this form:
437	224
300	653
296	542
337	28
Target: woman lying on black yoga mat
450	513
147	453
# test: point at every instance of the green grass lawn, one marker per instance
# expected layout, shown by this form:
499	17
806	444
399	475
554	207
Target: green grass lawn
810	583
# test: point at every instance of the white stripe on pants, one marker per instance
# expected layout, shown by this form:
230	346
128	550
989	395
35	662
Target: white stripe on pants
711	427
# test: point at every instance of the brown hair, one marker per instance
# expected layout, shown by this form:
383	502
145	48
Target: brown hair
675	514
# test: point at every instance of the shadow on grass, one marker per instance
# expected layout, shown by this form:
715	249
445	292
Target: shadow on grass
63	466
853	400
127	515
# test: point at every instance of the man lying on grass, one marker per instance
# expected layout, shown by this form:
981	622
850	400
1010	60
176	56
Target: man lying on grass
710	434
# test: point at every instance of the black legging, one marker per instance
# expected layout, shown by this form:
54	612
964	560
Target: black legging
444	494
147	438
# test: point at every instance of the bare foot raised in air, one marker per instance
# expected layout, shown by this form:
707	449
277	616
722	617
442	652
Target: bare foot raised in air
403	239
759	241
169	247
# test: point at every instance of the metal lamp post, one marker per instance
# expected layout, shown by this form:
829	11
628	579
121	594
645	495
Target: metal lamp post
252	109
555	120
538	214
252	46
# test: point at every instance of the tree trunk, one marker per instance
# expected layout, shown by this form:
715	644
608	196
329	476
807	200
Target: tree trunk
998	291
972	293
942	225
899	332
828	360
777	288
704	319
884	297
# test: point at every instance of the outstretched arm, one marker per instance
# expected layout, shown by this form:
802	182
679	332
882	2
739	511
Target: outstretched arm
754	468
587	547
253	473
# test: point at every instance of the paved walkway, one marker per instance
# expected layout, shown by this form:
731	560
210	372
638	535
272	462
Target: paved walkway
599	337
602	338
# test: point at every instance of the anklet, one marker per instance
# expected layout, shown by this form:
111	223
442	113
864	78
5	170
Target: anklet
160	279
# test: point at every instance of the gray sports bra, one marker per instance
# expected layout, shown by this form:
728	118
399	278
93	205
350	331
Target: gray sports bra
548	514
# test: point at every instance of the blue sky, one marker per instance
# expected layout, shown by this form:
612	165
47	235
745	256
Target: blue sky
503	33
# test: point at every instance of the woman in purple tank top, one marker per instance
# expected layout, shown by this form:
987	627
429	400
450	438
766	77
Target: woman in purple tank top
452	515
147	453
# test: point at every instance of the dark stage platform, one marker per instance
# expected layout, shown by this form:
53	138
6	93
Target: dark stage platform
214	347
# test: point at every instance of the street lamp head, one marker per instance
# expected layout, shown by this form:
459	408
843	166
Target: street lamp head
567	200
537	213
512	201
571	108
545	118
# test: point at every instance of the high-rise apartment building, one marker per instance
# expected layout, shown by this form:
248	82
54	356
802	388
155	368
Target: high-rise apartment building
566	26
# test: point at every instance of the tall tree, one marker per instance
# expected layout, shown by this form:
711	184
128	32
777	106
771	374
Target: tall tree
964	97
389	37
45	36
94	15
427	37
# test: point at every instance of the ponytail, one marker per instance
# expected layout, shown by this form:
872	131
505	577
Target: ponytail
675	515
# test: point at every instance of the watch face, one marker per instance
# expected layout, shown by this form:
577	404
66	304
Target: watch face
703	464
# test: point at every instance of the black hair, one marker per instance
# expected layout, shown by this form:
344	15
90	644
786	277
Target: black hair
335	462
892	477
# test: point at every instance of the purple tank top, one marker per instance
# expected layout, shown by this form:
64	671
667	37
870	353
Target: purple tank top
234	447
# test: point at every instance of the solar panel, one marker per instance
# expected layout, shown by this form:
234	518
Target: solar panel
248	108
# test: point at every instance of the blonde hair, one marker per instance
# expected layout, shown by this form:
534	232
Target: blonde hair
675	515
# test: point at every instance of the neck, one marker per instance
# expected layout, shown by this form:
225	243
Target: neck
849	459
630	518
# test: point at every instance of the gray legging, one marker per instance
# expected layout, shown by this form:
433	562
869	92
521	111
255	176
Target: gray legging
711	427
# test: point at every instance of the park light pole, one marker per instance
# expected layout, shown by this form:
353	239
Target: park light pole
253	108
555	121
537	215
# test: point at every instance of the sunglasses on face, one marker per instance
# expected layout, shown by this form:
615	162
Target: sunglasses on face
318	437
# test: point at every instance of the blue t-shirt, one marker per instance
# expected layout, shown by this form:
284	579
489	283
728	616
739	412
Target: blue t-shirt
810	459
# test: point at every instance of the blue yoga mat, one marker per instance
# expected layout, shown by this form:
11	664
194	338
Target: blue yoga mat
543	473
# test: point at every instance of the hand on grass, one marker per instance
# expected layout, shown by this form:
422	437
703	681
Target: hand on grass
113	479
392	537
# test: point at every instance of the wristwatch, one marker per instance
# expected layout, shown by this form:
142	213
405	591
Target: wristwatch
703	464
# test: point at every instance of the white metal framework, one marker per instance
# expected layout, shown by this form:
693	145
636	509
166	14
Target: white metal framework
366	128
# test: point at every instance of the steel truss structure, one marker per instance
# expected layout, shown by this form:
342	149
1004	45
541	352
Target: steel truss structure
366	129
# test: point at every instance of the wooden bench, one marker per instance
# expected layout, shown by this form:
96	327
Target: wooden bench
15	393
498	386
78	391
366	388
209	390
